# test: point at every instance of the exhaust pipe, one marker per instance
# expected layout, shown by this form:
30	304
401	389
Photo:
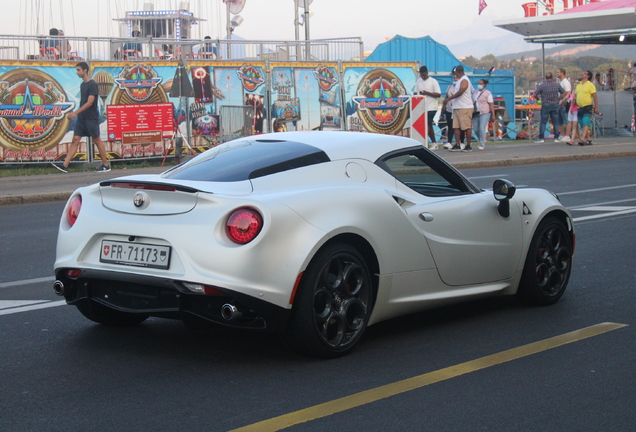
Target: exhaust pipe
230	312
58	287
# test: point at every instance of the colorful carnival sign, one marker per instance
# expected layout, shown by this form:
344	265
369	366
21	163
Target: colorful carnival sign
138	115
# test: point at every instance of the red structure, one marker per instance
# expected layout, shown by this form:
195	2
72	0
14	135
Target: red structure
531	9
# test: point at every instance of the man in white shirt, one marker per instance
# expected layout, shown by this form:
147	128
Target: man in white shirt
462	108
563	104
429	87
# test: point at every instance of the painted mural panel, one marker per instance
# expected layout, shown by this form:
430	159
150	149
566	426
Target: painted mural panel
34	102
378	98
243	85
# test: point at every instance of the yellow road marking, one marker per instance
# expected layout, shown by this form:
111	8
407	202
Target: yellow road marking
378	393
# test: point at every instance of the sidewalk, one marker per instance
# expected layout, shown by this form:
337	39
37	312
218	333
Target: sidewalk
52	187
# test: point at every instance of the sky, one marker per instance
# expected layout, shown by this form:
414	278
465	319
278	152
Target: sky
448	22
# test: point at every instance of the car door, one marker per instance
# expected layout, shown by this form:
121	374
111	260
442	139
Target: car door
470	242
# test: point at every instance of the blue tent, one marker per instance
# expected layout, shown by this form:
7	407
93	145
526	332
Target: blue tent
440	62
426	50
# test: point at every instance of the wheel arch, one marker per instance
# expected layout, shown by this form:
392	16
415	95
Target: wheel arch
566	219
366	250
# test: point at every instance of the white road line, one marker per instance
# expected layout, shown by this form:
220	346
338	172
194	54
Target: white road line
603	203
606	208
602	215
33	307
596	190
26	282
8	304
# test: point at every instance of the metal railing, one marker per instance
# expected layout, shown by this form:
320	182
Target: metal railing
67	48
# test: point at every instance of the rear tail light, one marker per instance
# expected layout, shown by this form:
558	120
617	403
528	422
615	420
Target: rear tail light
74	208
244	225
73	273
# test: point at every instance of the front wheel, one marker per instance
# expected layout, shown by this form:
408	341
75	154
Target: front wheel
548	265
104	315
333	303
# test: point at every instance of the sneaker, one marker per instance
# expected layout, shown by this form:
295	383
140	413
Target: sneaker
60	166
481	148
103	168
455	148
557	140
539	141
467	149
433	147
565	138
448	146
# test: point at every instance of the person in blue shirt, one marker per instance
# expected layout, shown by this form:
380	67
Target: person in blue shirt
132	49
208	50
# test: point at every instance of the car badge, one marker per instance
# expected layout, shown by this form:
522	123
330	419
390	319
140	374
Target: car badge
139	200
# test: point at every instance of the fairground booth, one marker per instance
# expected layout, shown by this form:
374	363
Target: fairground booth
158	86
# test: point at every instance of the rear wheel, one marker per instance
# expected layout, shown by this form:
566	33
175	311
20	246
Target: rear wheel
333	303
548	265
104	315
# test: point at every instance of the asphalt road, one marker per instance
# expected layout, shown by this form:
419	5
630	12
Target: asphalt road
60	372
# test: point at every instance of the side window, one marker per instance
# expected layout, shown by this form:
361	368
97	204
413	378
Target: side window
424	173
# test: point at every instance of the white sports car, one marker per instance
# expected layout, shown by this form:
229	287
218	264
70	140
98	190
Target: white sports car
315	235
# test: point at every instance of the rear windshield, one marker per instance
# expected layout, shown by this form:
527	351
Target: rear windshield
245	160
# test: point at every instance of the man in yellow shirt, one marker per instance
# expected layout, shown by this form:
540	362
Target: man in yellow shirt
587	101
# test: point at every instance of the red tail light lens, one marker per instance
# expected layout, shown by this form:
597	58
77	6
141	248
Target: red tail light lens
74	209
244	225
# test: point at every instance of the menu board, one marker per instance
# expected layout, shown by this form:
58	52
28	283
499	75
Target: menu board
137	120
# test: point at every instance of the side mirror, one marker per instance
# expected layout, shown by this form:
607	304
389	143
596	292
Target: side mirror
503	190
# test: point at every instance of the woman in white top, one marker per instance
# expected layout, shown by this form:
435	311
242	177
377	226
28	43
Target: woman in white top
485	104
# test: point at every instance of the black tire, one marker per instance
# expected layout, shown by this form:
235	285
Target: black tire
546	272
332	304
104	315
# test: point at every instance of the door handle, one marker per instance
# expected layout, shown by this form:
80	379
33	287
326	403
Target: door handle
426	217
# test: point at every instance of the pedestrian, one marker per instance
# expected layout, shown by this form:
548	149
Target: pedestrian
486	106
632	75
132	50
87	123
462	100
208	51
587	100
609	83
428	87
564	105
448	115
52	46
549	92
597	80
572	129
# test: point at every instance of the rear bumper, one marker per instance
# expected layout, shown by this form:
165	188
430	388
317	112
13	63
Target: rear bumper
167	298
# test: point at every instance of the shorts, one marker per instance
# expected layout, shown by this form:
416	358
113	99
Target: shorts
86	127
563	115
573	116
462	118
584	115
430	116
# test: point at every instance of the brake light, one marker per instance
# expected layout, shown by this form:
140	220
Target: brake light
74	209
244	225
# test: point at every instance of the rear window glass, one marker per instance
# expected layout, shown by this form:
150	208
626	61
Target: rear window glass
245	160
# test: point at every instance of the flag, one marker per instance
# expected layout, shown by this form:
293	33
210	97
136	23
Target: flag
482	6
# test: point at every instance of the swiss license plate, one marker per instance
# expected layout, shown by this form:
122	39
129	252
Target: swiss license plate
135	254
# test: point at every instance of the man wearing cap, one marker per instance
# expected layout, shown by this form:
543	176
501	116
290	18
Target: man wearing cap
429	88
462	108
